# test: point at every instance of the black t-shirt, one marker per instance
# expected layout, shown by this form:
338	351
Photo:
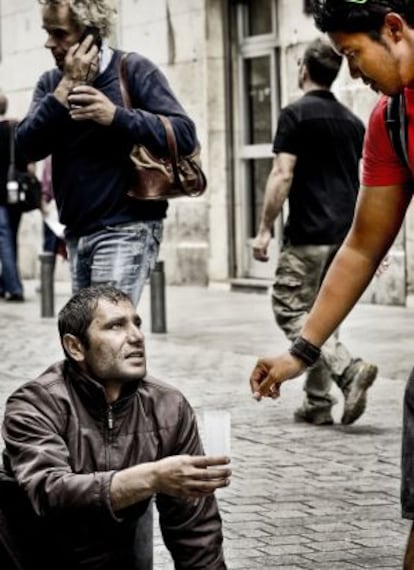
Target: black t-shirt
327	140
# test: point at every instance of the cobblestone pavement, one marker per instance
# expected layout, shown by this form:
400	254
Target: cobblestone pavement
301	497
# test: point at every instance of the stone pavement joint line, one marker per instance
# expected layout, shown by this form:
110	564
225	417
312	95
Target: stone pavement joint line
302	497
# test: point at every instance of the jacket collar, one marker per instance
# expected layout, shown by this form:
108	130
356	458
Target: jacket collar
322	93
92	392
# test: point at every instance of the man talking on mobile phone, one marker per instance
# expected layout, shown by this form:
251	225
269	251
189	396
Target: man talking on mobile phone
77	116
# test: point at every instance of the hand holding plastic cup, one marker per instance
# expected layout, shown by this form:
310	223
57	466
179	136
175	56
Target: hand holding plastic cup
217	432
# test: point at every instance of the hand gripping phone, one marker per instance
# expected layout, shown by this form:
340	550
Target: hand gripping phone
97	40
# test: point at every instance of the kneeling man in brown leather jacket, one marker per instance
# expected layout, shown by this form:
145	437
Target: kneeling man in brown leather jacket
94	438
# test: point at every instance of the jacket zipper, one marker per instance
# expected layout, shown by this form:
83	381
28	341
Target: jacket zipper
110	418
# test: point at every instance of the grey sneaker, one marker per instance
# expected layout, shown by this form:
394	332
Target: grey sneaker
362	376
315	417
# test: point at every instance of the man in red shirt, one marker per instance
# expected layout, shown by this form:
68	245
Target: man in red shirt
377	39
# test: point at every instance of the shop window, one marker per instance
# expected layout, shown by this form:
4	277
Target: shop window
258	19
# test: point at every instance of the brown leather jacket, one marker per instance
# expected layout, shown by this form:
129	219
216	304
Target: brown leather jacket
63	446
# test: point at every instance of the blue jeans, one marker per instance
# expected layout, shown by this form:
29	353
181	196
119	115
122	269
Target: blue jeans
10	279
121	255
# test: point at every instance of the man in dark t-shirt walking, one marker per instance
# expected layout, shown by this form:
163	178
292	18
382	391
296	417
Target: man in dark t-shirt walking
318	145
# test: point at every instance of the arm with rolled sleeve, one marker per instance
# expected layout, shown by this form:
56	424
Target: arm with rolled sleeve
191	529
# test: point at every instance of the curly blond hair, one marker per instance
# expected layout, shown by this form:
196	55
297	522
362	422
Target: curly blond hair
98	13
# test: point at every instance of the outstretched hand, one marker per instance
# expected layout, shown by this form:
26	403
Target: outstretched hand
188	476
185	476
270	373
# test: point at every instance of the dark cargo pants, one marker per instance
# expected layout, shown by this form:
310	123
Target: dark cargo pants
299	274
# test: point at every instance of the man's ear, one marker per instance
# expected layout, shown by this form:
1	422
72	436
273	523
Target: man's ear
74	347
394	25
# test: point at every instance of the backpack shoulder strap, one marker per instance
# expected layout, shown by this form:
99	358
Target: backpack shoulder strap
396	123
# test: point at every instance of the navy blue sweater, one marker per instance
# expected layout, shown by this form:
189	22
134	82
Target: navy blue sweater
90	162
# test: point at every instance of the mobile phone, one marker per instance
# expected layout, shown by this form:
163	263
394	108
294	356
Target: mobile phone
92	31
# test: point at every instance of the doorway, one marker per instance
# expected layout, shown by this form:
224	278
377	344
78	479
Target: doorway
256	88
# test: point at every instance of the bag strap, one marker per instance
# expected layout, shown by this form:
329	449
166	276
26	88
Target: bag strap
169	131
123	81
396	123
172	146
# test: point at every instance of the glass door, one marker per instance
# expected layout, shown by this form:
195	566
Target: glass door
258	106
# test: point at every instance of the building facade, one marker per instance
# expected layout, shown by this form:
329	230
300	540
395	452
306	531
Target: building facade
233	65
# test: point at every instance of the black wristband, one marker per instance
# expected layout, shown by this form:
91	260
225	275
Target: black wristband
305	350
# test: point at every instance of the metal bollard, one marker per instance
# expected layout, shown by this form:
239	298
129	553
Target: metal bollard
47	285
157	285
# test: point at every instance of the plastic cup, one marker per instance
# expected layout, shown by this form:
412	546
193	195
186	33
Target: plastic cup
217	432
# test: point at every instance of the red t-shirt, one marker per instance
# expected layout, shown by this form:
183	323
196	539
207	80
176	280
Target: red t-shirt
381	165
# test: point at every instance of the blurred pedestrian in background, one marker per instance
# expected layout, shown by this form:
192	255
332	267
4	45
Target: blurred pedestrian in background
11	287
318	146
78	116
53	243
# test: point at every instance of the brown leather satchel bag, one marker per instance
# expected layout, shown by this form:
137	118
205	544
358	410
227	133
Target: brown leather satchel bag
156	178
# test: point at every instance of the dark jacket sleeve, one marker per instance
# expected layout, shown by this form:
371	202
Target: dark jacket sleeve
38	456
192	529
151	95
38	132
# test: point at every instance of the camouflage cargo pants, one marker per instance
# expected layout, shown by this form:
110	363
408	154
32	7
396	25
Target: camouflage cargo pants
299	274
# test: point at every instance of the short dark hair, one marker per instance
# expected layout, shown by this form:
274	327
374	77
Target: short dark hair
322	62
359	16
76	316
